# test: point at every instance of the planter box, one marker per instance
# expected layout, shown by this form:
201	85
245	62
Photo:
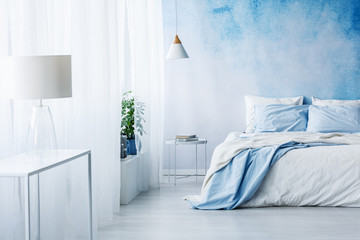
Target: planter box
129	179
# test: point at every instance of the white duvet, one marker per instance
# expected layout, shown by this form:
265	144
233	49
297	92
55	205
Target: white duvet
321	176
315	176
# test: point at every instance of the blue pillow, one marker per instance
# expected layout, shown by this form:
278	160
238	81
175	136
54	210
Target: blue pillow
334	119
280	118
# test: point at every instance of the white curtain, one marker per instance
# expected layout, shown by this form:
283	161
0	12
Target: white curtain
112	43
144	43
89	30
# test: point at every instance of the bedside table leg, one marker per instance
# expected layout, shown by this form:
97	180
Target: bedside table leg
175	167
169	164
205	159
196	161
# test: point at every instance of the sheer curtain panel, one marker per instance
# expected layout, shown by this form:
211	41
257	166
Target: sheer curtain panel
146	75
89	30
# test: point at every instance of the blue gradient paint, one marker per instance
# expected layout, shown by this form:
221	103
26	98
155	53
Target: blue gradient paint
293	47
222	10
226	16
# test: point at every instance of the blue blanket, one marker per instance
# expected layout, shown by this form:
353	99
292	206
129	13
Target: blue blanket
238	181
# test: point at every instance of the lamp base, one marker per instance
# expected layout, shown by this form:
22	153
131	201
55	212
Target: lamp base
41	133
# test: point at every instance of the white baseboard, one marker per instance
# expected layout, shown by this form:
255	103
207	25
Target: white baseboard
183	172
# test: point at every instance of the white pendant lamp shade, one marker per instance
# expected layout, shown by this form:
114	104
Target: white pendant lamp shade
41	77
177	50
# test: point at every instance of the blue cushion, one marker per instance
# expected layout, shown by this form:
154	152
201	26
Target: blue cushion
280	118
334	119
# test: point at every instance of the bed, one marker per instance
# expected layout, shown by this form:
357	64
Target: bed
316	167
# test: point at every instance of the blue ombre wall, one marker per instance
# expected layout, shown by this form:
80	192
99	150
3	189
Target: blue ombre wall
273	48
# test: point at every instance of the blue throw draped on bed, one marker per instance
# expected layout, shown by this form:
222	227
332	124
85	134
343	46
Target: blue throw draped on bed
238	181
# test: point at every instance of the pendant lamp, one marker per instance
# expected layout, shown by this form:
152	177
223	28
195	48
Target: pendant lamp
176	50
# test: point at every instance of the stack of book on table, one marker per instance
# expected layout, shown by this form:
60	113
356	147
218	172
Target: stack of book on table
186	138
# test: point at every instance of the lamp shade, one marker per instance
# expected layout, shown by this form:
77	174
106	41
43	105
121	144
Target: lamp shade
176	50
41	77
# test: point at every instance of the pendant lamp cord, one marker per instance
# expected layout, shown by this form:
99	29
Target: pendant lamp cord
176	17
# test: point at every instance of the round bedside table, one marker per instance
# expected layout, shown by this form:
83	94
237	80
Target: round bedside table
175	143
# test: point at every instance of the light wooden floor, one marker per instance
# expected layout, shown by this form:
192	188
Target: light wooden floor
162	214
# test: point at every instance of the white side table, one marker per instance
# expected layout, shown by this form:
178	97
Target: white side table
33	164
175	143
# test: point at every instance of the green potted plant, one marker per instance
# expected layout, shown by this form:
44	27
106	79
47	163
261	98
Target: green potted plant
132	113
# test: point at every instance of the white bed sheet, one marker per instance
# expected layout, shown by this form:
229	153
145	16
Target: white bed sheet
315	176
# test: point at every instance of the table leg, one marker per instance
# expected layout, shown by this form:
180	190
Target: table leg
90	197
38	205
196	161
205	159
169	163
27	206
175	166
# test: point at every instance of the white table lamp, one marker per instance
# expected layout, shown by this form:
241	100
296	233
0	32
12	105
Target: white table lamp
41	77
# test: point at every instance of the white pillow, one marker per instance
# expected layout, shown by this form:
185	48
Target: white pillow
334	102
251	101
